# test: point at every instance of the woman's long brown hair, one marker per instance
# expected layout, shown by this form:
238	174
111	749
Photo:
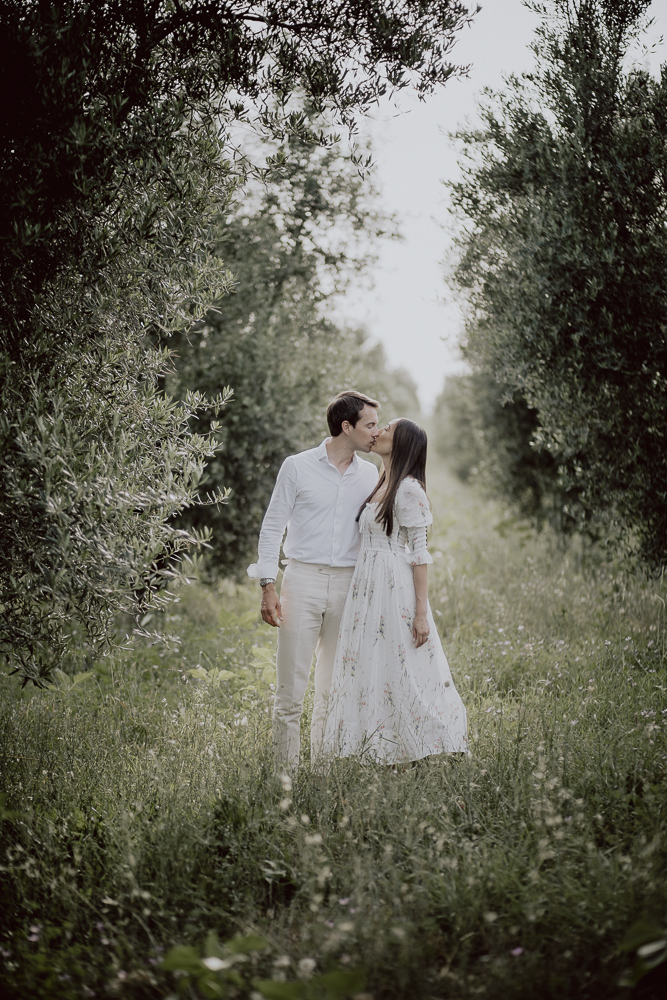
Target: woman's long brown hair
408	458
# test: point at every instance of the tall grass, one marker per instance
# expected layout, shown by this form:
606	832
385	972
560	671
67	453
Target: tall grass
143	811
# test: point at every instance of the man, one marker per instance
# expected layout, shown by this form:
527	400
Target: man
317	496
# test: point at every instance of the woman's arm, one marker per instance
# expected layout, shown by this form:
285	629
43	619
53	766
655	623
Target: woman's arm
420	629
414	515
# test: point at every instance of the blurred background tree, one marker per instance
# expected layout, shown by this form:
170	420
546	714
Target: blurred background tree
562	247
485	431
295	241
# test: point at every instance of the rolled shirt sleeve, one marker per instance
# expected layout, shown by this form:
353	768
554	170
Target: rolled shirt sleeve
275	522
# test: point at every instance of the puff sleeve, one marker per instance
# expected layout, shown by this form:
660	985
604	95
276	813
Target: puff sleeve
414	515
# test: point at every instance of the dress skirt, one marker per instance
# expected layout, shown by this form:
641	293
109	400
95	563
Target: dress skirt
389	702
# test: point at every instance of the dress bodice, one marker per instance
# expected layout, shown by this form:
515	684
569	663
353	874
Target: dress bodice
411	517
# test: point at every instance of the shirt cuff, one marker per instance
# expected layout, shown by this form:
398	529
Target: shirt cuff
257	571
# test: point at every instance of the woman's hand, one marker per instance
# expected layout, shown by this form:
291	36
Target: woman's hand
420	629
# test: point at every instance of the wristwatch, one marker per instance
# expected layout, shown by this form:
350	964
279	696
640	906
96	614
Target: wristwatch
267	579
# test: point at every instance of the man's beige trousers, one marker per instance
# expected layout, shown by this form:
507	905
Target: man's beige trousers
312	598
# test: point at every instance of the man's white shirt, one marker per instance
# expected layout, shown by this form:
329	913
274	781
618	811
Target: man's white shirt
318	506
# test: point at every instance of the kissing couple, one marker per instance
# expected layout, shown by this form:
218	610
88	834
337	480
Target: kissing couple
355	593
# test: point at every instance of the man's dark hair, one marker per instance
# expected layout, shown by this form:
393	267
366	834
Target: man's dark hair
347	406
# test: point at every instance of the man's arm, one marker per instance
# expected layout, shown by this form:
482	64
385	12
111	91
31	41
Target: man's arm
271	534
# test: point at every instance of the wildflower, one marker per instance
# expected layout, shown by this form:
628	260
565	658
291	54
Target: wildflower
324	874
490	917
214	964
344	902
516	952
306	967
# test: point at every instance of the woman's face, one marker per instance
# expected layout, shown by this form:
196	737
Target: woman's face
384	440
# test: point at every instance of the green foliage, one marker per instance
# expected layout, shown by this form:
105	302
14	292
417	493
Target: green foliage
295	242
214	974
107	237
143	813
562	253
94	464
223	972
92	93
648	941
486	432
116	168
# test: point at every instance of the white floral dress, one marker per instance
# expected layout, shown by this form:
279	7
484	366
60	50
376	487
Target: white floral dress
390	702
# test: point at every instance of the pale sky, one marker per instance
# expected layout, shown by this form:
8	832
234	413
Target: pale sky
408	309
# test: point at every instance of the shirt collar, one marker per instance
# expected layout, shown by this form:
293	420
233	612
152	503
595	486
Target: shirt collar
322	456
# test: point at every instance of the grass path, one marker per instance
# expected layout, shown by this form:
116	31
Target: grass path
142	814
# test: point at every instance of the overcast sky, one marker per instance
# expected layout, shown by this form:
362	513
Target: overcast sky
408	309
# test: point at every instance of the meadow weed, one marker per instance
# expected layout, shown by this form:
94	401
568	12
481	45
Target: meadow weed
149	848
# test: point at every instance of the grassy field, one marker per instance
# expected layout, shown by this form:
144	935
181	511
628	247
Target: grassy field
148	848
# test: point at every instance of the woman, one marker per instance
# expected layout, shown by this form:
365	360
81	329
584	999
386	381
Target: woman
392	698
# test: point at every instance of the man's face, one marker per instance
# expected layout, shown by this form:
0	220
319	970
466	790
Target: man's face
363	435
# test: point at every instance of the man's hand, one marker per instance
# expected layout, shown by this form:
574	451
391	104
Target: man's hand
270	606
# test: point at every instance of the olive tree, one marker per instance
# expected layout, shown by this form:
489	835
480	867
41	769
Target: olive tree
116	164
562	249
